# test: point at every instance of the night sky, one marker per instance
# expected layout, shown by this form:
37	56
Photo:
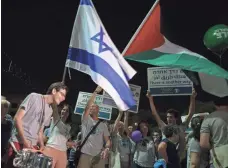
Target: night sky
36	36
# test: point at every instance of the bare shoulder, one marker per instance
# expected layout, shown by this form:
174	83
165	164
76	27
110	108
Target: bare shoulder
162	145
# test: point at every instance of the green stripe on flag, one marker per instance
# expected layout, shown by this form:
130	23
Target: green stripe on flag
180	60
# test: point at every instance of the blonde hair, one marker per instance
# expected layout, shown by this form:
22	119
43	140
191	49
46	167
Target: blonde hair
5	103
3	98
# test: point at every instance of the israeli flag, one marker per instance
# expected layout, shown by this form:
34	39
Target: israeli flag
92	52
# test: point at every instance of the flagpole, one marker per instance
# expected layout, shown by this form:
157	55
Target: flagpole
64	74
139	28
65	68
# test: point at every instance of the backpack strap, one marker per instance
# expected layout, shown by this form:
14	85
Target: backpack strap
91	131
215	157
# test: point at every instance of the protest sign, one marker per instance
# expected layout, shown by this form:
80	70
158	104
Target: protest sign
105	112
107	99
164	81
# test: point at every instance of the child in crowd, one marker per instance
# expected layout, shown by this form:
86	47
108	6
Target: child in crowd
167	148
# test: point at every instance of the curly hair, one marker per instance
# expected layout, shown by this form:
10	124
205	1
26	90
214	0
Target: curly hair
174	112
196	123
170	130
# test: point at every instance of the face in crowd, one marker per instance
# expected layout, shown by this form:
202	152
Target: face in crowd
130	129
65	113
171	116
156	136
59	96
4	108
120	127
143	126
58	92
94	110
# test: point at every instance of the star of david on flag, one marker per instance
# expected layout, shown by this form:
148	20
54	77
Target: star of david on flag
91	51
102	45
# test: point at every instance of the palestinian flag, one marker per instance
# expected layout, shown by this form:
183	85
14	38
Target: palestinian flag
149	46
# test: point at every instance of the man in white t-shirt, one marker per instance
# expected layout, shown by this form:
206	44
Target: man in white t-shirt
93	154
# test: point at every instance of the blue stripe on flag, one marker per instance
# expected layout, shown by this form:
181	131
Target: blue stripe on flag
101	67
85	2
110	102
125	74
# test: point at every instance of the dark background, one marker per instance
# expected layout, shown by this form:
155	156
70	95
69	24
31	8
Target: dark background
36	36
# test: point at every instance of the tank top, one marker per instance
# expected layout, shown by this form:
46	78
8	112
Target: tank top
59	136
173	158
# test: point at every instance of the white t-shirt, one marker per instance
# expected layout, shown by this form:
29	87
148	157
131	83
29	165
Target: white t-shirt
145	153
59	135
123	145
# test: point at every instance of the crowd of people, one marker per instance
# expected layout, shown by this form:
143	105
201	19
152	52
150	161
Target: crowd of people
43	123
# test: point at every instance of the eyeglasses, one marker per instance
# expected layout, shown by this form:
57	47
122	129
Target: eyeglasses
62	94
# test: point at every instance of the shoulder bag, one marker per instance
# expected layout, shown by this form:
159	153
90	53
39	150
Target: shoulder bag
78	150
